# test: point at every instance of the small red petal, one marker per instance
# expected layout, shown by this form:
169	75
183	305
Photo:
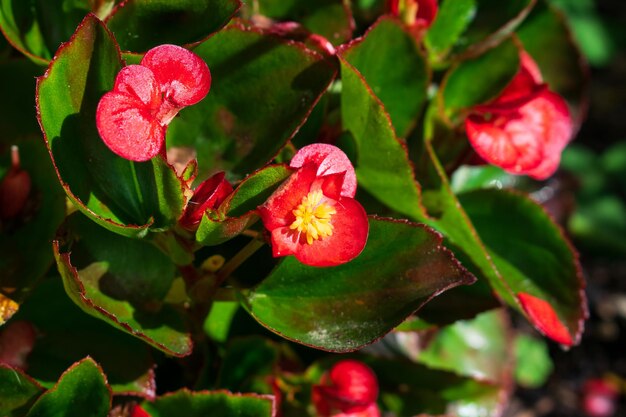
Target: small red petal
426	11
350	230
526	83
393	7
128	127
137	411
545	318
208	195
138	82
330	160
183	76
277	210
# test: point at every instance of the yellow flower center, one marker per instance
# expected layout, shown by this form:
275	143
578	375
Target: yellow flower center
313	218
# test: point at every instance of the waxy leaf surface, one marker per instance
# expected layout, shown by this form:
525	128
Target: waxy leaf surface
18	392
218	403
123	196
123	282
392	65
382	163
139	25
263	89
330	18
452	19
81	391
37	28
66	334
346	307
17	114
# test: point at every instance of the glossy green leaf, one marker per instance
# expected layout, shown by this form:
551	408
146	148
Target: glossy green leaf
546	36
17	114
533	364
263	90
480	79
493	22
25	253
81	391
346	307
330	18
478	348
382	164
255	189
37	28
531	252
139	25
202	404
218	322
394	68
18	392
123	196
123	282
66	334
452	19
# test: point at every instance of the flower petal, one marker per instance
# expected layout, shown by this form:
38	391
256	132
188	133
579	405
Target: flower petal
208	195
128	128
183	76
350	230
330	160
277	210
545	318
138	82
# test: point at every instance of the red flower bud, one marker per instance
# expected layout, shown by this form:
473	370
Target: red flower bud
14	188
133	117
599	398
545	318
415	13
525	129
350	389
207	196
313	215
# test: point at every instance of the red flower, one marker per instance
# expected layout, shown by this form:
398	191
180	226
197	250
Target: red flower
525	129
208	195
133	117
600	397
415	13
350	389
313	215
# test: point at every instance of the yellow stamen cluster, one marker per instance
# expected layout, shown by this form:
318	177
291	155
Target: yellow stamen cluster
313	217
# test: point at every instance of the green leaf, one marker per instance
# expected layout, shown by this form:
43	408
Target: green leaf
330	18
247	364
548	39
66	334
394	68
202	404
18	392
139	25
346	307
123	282
82	391
263	90
37	28
533	365
531	252
478	348
382	164
493	22
123	196
218	321
479	79
25	241
452	19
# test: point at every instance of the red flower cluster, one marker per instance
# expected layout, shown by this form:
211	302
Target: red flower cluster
350	389
525	129
313	215
416	13
133	117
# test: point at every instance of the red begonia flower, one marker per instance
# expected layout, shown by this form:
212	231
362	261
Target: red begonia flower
208	195
313	215
545	318
416	13
525	129
350	389
133	117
